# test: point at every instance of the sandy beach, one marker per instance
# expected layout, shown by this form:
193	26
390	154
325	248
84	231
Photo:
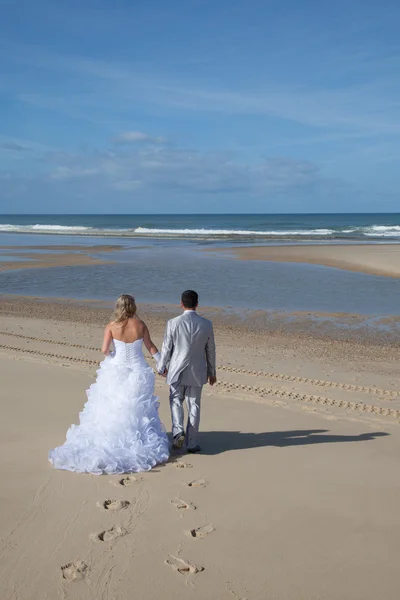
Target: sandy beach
374	259
235	158
27	257
296	484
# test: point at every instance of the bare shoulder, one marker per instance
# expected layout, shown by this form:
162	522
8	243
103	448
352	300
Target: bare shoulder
111	328
108	331
143	325
139	324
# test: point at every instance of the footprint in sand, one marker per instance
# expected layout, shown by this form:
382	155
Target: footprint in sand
182	566
201	532
109	534
74	571
183	465
125	481
181	504
198	483
113	504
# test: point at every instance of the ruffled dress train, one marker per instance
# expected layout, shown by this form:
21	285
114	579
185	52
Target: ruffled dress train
119	428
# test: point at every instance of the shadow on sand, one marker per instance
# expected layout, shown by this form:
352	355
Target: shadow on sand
216	442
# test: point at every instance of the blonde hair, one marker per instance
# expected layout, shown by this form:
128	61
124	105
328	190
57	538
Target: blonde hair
125	308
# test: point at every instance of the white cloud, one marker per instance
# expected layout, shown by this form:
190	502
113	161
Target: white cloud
172	170
167	171
14	146
369	107
153	178
131	137
63	172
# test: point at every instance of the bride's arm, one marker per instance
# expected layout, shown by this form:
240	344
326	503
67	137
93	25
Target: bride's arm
106	340
151	347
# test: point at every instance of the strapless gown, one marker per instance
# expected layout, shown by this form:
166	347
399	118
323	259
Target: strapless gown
119	428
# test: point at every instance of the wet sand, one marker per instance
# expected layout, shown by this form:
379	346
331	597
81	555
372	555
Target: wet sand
374	259
102	271
27	257
296	482
312	330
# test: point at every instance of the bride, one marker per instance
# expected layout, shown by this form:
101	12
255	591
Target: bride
119	430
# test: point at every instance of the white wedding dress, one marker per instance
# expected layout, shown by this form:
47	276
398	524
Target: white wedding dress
119	430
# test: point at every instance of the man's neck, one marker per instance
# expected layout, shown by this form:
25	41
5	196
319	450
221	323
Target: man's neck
189	310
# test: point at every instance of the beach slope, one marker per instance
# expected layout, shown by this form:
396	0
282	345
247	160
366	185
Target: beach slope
374	259
293	495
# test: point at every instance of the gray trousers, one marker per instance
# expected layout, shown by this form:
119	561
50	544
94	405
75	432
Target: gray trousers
192	394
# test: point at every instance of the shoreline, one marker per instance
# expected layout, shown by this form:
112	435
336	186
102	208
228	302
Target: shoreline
371	259
305	327
379	259
209	235
68	256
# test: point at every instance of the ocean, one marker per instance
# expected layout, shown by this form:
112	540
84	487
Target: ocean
159	256
316	227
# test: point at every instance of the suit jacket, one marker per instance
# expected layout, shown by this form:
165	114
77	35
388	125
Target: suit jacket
188	350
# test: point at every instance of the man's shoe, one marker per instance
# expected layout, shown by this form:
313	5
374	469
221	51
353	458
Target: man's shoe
194	449
179	440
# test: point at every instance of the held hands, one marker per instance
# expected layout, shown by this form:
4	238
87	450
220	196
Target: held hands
157	358
212	379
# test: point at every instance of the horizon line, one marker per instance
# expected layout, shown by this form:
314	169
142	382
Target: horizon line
179	214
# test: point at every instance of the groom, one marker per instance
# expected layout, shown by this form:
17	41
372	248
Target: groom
188	352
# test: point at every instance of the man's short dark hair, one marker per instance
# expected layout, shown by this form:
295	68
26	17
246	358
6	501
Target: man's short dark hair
190	299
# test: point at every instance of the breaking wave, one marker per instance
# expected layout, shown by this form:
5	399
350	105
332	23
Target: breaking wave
374	231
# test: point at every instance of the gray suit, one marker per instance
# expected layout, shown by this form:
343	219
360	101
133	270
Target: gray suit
188	352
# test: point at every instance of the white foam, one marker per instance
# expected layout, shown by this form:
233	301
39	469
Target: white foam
384	234
38	228
382	231
59	227
385	228
228	232
368	231
375	230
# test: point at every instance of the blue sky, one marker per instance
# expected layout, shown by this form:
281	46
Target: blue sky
199	106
